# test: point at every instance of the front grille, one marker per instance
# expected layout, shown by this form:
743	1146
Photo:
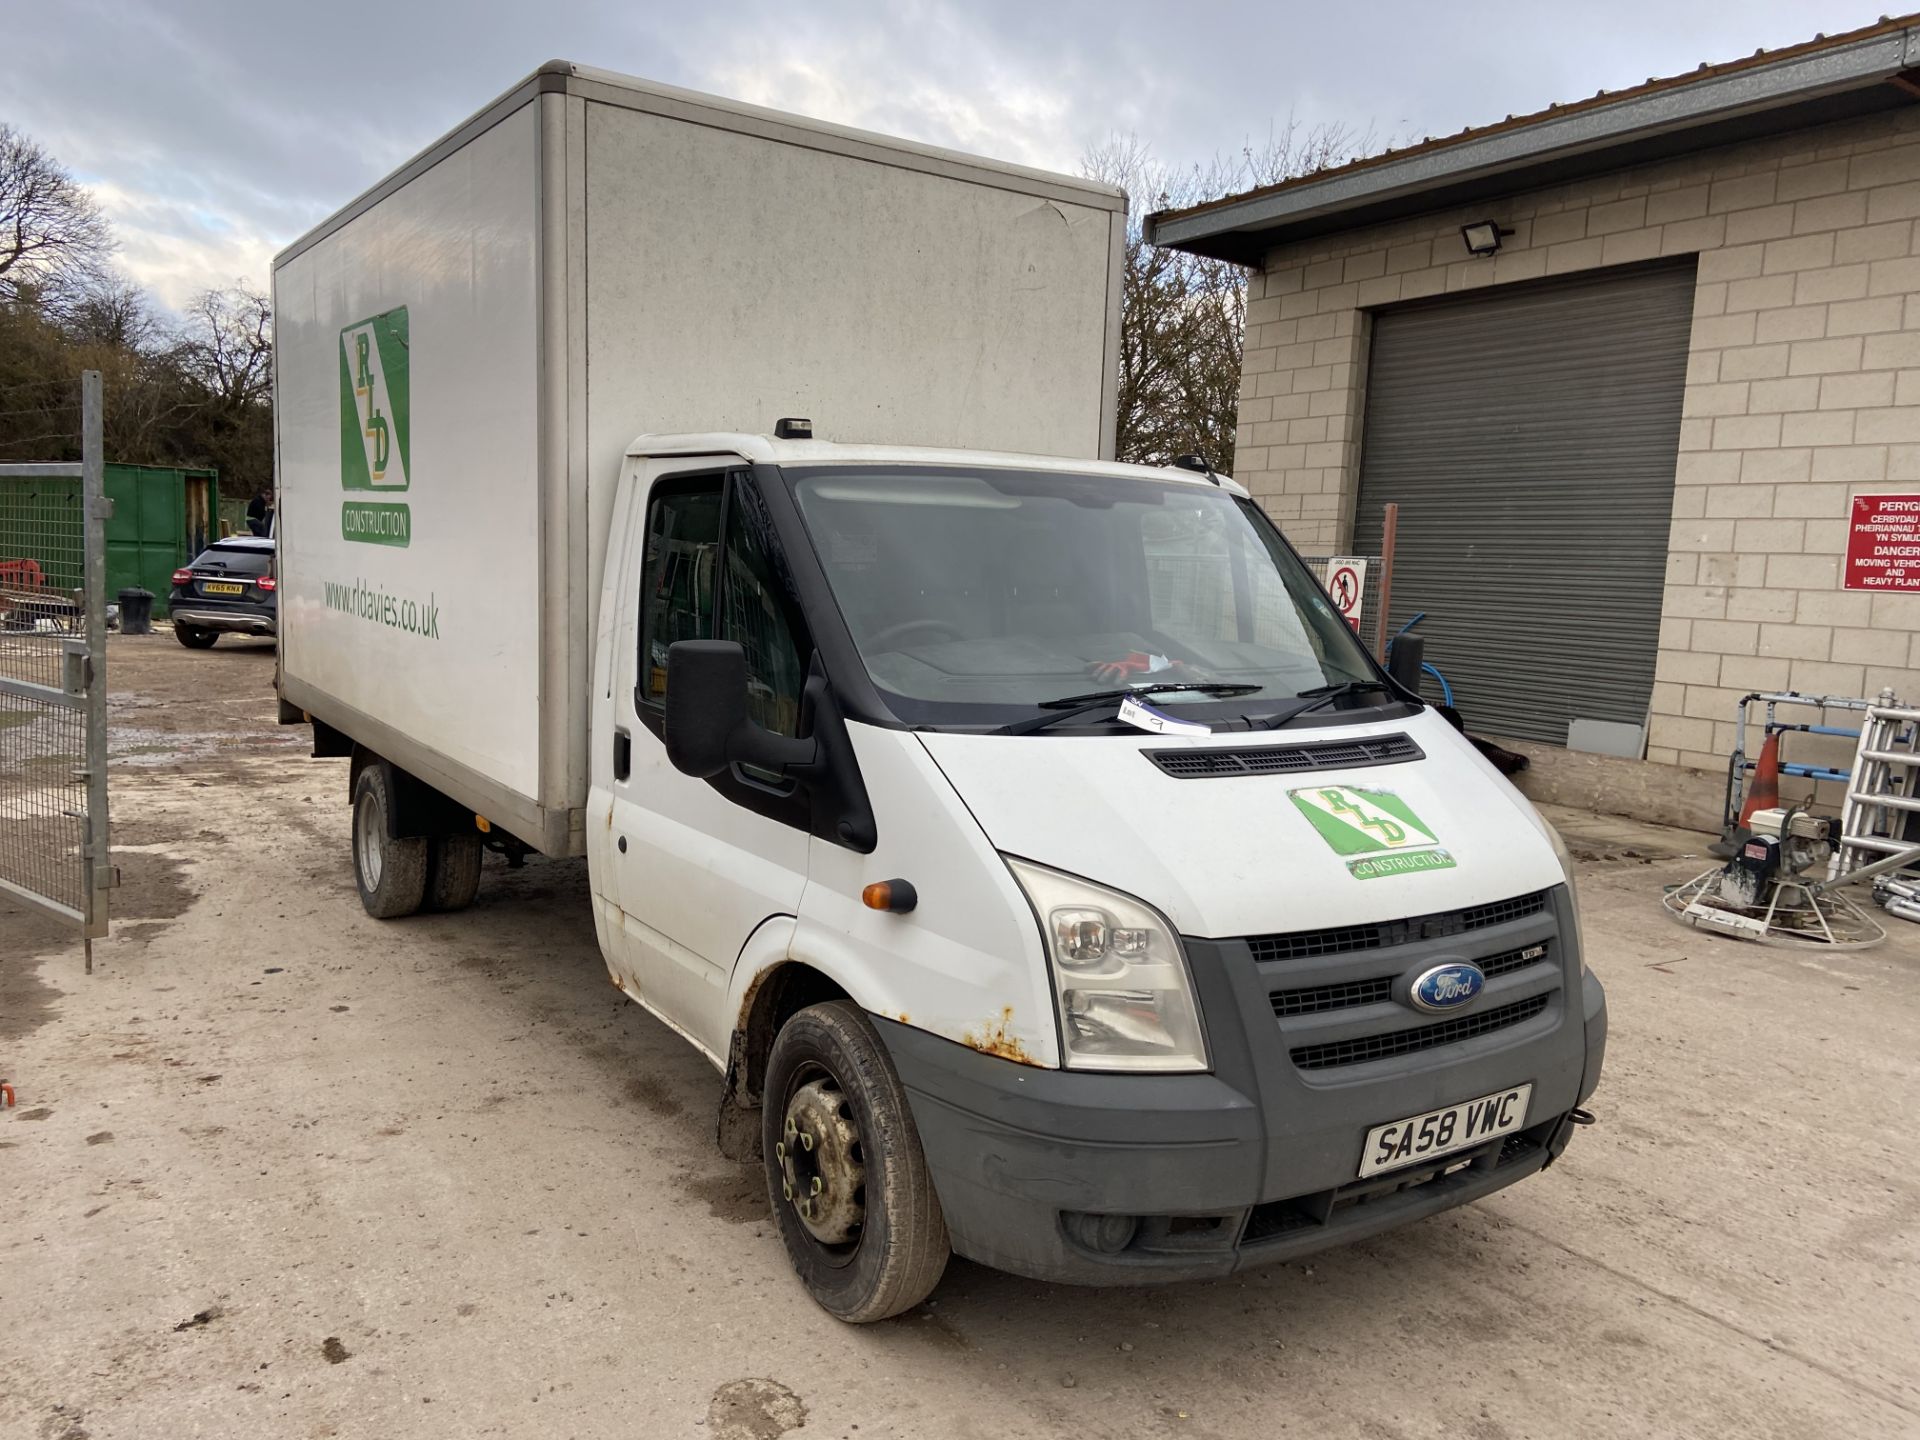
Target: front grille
1184	764
1512	960
1346	994
1344	940
1421	1037
1331	997
1279	1217
1517	1147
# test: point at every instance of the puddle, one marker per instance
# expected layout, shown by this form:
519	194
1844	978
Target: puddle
143	746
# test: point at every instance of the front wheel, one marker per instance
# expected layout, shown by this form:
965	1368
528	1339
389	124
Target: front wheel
195	638
391	872
845	1173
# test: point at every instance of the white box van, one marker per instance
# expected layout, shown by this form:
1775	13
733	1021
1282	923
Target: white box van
1048	870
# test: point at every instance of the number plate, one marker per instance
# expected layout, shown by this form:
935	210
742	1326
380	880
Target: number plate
218	587
1443	1131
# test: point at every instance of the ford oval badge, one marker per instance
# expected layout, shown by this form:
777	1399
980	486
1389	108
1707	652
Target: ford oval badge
1447	987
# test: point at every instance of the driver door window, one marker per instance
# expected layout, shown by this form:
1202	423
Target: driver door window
676	596
713	570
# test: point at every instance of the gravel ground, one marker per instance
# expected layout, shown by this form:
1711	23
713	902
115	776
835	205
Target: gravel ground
278	1169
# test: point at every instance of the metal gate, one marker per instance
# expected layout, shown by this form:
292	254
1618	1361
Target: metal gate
1529	434
54	852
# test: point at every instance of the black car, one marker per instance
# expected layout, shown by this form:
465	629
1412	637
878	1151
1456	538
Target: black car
230	586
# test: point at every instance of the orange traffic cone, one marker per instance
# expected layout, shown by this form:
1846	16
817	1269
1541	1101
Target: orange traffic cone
1765	794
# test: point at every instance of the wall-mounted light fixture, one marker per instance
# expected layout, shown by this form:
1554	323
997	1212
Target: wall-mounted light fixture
1483	237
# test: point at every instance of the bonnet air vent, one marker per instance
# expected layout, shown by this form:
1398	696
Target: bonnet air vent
1197	764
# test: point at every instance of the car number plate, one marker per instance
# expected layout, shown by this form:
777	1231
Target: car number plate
1443	1131
218	587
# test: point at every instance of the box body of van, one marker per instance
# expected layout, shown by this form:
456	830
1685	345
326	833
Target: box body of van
464	353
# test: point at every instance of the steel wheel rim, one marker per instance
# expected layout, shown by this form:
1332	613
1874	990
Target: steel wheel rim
822	1165
367	827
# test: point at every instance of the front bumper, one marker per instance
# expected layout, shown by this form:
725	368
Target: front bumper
244	620
1252	1164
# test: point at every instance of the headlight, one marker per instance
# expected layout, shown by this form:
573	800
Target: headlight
1120	978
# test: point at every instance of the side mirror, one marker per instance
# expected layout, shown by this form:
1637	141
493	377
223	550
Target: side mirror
707	727
1404	659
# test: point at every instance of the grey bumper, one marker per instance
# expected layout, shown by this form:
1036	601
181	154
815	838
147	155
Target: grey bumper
1252	1164
236	621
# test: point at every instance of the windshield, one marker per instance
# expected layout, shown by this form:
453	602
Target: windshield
977	596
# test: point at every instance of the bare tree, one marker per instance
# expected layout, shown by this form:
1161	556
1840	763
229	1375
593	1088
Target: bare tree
53	237
112	311
227	344
224	358
196	393
1183	317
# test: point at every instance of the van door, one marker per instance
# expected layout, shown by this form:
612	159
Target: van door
705	862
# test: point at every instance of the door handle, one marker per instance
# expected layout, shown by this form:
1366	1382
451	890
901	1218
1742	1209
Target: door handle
622	753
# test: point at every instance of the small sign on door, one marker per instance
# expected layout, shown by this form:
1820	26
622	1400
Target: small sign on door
1347	588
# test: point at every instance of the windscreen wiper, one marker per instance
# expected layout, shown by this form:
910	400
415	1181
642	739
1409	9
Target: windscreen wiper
1317	697
1072	707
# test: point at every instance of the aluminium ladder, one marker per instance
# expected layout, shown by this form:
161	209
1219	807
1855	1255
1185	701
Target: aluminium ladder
1881	814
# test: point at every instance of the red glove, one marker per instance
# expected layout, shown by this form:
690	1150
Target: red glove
1135	665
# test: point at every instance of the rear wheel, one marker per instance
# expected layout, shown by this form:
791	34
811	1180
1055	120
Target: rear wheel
845	1173
453	871
195	638
391	873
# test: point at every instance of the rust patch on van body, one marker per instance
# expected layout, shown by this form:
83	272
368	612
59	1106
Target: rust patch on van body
995	1038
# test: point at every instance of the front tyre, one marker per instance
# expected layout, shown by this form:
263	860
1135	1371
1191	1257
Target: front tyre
391	873
194	637
845	1174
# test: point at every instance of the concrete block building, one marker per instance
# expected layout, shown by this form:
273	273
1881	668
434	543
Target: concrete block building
1638	371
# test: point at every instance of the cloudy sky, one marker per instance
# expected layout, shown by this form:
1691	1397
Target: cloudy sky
215	131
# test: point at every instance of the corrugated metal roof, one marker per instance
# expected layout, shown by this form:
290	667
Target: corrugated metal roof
1826	78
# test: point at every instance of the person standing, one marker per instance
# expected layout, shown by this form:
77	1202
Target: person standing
260	512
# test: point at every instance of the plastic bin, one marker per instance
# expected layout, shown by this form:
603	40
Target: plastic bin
136	612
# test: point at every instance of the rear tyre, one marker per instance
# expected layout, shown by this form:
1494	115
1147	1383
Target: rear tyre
391	873
194	638
453	871
846	1177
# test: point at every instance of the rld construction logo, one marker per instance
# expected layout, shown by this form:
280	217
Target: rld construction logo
1375	827
375	426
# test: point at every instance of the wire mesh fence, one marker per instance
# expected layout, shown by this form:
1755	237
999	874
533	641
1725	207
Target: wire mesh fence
43	801
42	574
53	817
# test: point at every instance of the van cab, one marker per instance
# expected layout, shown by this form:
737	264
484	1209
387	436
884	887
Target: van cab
1053	875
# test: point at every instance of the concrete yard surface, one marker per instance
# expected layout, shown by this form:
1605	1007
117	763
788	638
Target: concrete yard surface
278	1169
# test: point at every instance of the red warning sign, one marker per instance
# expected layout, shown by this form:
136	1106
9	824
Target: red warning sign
1883	543
1347	588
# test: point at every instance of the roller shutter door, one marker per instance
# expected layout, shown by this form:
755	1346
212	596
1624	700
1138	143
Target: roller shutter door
1529	434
